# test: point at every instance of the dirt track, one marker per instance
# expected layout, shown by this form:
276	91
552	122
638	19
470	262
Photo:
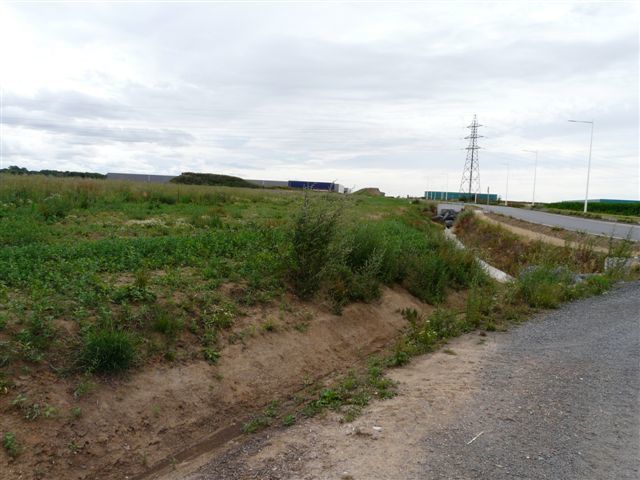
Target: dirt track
557	397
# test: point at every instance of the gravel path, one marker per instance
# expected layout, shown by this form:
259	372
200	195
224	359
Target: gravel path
560	401
555	398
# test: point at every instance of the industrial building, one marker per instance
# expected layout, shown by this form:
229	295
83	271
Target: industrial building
457	196
296	184
140	177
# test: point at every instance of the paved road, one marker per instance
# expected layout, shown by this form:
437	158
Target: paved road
561	400
578	224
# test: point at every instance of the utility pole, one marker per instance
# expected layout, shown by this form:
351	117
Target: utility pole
446	192
487	195
586	195
506	194
470	182
535	173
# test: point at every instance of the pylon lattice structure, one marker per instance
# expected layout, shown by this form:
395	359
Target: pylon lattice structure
470	183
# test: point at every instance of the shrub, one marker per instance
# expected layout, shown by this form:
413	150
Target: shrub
444	323
55	207
315	226
544	287
479	304
108	351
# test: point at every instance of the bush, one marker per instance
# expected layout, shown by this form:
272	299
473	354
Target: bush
544	287
108	351
315	227
54	208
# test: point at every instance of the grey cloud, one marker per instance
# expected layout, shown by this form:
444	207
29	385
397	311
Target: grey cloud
250	87
68	104
99	133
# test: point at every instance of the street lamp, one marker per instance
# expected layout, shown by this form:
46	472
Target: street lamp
506	194
586	196
535	173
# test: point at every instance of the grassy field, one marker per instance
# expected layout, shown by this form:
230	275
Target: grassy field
631	209
102	277
99	276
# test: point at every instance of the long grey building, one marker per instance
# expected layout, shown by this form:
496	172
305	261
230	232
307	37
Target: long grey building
140	177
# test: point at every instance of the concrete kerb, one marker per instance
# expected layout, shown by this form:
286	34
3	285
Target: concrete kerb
492	271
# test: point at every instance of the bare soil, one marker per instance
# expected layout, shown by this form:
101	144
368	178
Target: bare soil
129	424
556	397
379	444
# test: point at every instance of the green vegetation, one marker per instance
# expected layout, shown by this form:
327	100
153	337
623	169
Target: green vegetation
108	351
11	445
211	179
99	277
14	170
545	274
624	208
143	272
509	252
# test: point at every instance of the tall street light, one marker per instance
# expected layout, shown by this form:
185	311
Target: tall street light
535	174
506	194
586	196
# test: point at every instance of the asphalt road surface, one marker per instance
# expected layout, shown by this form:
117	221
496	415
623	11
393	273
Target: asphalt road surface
577	224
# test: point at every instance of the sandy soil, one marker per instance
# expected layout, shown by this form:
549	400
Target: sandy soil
129	424
378	444
556	397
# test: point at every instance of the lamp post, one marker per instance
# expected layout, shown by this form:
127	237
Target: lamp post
535	174
506	190
586	196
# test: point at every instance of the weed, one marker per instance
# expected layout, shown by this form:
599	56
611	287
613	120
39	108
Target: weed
167	322
50	411
11	444
269	326
108	351
85	387
19	402
256	423
73	447
301	327
544	287
210	355
289	420
76	412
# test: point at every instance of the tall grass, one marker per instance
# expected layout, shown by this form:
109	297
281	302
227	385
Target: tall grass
509	252
350	263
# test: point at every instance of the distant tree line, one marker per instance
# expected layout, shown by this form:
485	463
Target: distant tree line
190	178
14	170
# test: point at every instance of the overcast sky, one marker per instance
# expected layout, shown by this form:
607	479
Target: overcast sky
367	94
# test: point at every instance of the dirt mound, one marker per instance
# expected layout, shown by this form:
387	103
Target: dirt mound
370	191
121	427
